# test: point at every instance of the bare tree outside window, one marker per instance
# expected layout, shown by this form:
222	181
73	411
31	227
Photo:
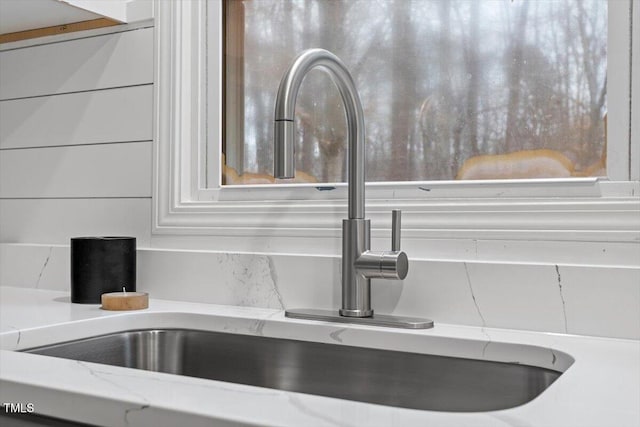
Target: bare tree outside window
457	89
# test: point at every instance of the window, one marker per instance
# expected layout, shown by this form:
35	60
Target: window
191	198
451	89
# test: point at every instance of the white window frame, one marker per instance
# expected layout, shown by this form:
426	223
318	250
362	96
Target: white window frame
188	88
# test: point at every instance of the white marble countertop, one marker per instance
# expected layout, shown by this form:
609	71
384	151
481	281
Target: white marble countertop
601	385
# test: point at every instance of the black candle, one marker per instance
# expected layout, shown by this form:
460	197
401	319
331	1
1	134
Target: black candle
100	265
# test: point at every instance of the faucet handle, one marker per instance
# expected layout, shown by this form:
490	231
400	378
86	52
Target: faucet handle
393	264
396	216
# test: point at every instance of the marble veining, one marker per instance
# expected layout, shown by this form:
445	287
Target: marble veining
335	335
475	303
44	266
101	376
473	296
564	305
274	281
127	412
250	279
18	334
258	327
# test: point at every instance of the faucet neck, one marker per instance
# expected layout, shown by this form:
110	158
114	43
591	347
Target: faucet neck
284	164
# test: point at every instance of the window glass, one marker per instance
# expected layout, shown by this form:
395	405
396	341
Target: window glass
458	89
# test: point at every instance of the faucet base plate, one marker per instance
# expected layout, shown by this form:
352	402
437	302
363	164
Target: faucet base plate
375	320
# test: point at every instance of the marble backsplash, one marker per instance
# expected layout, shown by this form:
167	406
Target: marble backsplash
558	298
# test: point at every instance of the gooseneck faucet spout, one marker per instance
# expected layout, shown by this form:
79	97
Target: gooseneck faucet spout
359	263
284	165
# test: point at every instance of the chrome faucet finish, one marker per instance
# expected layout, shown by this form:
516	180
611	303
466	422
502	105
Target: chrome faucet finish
359	263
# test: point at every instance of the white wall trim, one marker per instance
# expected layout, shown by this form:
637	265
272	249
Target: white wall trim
569	210
619	88
180	94
635	93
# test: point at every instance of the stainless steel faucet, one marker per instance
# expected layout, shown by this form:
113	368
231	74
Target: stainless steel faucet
359	263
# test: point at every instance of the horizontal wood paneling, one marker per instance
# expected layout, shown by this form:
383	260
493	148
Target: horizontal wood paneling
75	138
111	60
54	221
112	115
111	170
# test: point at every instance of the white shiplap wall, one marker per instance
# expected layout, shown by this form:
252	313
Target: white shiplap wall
76	137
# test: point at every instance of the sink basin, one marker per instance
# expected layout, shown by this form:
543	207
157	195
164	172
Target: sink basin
401	379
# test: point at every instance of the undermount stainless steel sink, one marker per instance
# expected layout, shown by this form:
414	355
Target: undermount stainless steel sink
393	378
